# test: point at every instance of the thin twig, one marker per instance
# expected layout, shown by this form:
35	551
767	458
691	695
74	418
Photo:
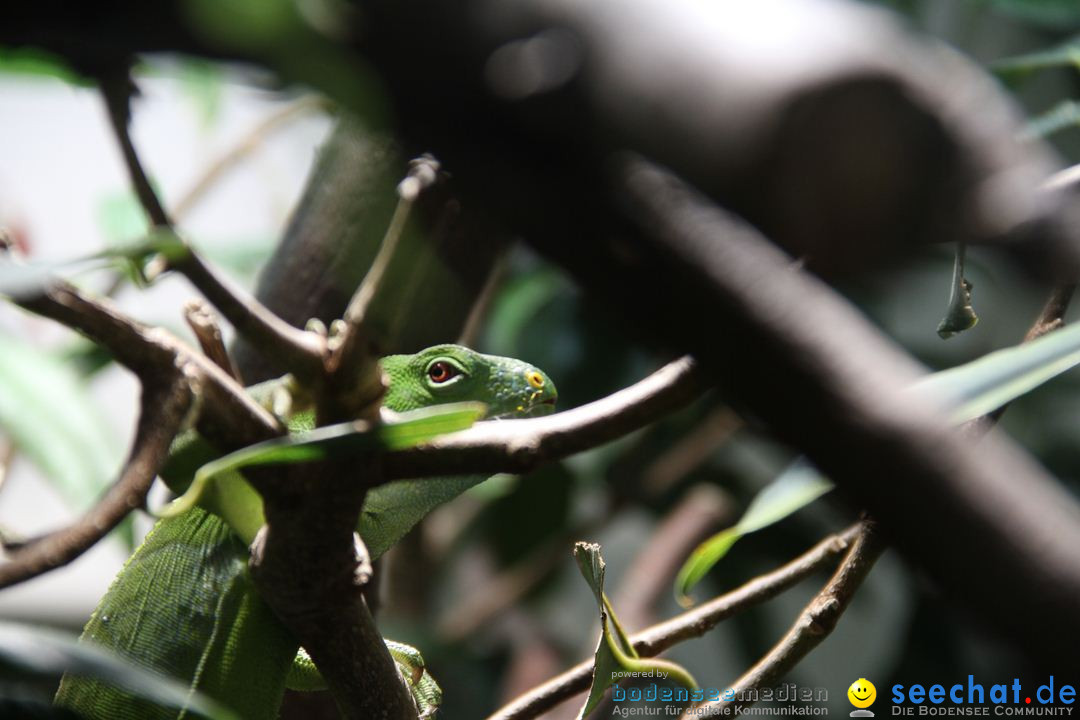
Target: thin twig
650	575
162	416
117	90
300	350
691	450
690	624
814	624
1052	316
203	323
251	141
355	382
228	416
519	446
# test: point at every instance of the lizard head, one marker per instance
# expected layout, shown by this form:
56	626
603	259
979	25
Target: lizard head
452	373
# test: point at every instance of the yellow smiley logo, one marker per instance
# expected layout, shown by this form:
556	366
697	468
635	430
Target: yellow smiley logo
862	693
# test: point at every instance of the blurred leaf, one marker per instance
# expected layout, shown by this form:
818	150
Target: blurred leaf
973	390
1052	14
614	652
340	440
120	218
240	256
985	384
517	304
51	417
85	358
203	83
797	487
1020	66
34	62
20	279
1062	116
46	652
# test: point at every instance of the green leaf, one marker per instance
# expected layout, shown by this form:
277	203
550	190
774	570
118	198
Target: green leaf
35	62
46	652
615	654
203	82
19	279
1062	116
985	384
49	414
797	487
121	217
971	390
1066	55
1051	14
341	440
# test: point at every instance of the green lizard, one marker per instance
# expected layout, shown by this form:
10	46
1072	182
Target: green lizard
184	604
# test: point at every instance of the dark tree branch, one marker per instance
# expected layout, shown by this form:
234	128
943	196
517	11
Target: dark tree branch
309	579
518	446
814	624
826	381
162	416
301	351
691	624
354	381
118	89
203	323
228	416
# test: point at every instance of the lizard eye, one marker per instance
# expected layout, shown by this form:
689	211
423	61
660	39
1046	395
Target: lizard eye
440	371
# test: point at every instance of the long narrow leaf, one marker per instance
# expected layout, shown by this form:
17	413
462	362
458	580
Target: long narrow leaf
985	384
51	417
970	390
615	655
46	652
795	488
341	440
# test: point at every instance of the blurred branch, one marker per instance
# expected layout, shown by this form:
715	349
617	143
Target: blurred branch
690	450
500	592
354	381
690	624
518	446
117	89
302	351
200	318
250	142
822	378
1052	316
814	624
161	418
653	570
